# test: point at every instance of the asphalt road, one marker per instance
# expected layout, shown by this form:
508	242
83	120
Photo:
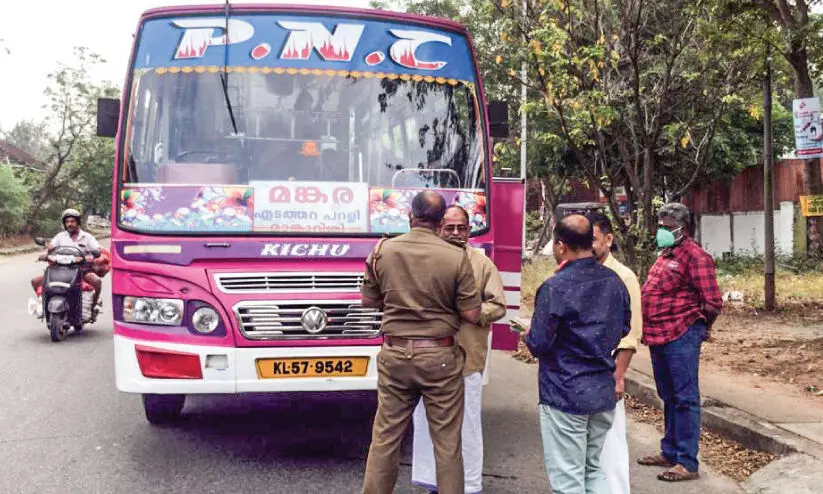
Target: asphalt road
64	428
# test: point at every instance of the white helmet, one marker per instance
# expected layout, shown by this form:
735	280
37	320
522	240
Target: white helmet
70	213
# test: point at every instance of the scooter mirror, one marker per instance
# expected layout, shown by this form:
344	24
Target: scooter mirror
95	252
40	241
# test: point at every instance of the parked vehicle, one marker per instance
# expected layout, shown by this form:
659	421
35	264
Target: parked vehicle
564	209
261	152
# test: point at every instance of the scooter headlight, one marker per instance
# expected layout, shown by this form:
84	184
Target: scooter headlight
162	311
63	259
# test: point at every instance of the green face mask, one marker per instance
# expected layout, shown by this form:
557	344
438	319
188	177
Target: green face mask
665	237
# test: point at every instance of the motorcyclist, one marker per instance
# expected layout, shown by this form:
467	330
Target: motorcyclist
73	236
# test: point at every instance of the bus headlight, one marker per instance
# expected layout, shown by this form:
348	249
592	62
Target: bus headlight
162	311
205	320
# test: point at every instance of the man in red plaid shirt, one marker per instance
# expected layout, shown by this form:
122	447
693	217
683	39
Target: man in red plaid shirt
681	301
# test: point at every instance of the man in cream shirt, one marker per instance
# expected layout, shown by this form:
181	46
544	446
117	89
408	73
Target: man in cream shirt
473	339
614	459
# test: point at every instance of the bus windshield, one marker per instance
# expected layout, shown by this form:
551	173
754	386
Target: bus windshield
296	150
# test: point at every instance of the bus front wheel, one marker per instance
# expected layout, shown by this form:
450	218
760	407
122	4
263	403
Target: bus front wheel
163	409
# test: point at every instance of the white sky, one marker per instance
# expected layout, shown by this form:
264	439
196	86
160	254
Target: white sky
40	34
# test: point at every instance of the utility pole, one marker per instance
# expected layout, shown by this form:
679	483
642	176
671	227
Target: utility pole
768	182
523	119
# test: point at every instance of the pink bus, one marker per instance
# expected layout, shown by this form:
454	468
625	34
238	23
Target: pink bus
261	153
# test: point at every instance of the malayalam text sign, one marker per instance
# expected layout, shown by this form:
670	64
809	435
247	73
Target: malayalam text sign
811	205
808	133
311	207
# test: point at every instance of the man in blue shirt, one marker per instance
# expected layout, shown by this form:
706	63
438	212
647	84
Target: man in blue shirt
580	315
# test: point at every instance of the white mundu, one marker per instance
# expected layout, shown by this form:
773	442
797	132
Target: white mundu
475	340
614	459
423	468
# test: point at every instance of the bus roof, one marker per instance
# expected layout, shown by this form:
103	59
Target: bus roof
307	9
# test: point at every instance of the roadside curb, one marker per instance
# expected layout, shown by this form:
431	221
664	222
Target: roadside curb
14	251
26	249
749	430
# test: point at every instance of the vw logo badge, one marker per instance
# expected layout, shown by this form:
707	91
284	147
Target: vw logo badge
314	320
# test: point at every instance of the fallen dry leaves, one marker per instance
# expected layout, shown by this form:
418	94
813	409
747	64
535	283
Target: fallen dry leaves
724	455
523	354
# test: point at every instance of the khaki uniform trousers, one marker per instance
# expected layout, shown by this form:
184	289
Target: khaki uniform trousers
405	374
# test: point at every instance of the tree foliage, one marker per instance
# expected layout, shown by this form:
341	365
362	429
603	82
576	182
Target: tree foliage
78	164
650	97
14	202
548	155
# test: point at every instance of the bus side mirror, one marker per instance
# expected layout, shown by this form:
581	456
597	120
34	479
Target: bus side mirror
108	113
498	119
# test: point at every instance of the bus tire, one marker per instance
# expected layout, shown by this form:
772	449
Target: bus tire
163	409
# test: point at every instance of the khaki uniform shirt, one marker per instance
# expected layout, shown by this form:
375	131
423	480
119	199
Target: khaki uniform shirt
632	340
474	339
423	282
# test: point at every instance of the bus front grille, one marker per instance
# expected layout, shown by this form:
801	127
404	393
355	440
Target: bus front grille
289	282
286	319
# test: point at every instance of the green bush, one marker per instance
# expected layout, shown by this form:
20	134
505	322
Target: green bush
14	202
742	264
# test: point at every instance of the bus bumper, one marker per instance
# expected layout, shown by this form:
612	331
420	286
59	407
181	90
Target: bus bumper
227	370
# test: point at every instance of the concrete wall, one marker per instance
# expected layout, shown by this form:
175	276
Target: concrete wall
714	233
743	233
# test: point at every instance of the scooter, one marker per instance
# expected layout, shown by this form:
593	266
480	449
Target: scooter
66	299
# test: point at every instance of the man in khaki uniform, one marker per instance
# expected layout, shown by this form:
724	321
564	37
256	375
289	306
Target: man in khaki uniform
474	339
425	286
614	458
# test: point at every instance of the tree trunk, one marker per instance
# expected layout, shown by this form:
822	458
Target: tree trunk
814	185
814	225
647	192
550	200
544	237
546	230
628	249
41	197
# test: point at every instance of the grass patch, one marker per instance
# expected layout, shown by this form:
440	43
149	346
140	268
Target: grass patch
798	281
789	287
753	262
797	278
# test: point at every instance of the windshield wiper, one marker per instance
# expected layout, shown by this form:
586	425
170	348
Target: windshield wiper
224	75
